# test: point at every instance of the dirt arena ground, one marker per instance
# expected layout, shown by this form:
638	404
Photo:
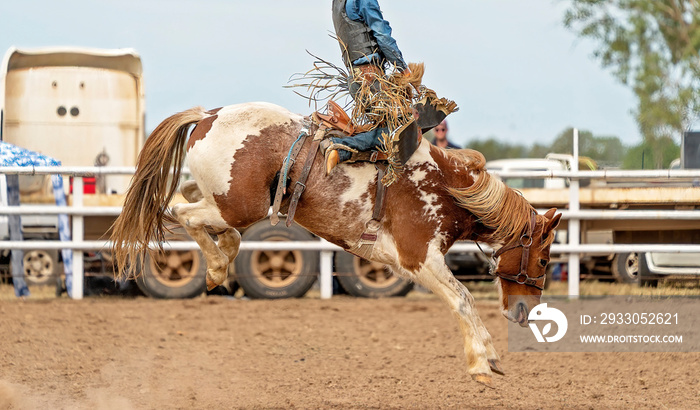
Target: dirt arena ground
217	352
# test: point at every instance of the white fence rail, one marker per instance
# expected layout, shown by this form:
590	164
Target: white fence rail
78	211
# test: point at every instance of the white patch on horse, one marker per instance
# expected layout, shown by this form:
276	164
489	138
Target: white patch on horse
360	182
430	209
422	156
417	176
385	250
211	158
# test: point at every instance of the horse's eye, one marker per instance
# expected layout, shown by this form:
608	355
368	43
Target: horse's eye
543	263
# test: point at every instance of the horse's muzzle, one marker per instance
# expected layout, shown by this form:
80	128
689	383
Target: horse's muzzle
518	314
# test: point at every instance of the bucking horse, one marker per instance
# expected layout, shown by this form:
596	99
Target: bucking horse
441	196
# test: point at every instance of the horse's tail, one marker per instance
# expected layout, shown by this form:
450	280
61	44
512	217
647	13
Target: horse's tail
145	210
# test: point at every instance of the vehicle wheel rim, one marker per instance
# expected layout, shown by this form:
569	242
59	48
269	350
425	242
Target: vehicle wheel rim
276	269
374	274
632	265
38	266
175	268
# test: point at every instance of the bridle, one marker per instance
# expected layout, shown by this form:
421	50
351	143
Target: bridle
522	277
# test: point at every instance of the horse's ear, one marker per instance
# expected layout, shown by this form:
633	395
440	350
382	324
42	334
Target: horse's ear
549	214
553	220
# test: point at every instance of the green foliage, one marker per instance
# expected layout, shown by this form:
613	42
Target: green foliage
642	156
652	47
606	151
495	149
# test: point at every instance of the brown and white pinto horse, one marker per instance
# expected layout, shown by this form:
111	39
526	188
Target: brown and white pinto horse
441	196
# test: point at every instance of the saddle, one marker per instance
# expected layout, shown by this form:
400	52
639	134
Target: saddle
335	123
337	119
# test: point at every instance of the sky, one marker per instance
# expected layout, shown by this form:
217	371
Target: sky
516	73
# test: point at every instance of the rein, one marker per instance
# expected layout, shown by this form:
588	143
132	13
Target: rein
522	277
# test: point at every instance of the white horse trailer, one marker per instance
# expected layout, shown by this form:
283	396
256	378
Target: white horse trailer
82	106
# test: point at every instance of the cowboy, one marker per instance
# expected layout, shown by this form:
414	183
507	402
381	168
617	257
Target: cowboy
368	47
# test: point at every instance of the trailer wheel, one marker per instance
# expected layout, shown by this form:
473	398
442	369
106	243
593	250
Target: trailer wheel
40	266
276	274
625	267
363	278
174	275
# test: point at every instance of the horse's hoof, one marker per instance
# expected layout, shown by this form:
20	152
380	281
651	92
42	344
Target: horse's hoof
495	365
484	379
210	284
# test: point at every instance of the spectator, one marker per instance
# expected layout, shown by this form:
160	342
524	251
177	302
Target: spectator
441	139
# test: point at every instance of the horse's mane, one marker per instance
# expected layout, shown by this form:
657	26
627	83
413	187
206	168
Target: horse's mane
497	206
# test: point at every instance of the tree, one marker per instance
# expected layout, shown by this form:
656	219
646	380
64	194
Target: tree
639	156
652	47
494	149
606	151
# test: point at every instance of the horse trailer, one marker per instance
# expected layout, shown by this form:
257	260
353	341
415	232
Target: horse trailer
81	106
84	107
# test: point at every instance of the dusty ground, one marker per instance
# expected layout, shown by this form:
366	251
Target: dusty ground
216	352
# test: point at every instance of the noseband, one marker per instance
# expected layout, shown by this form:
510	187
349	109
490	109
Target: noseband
521	278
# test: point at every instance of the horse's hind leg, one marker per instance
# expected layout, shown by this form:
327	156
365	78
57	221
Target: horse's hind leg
229	242
194	217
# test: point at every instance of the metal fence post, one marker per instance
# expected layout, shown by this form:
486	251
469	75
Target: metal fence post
77	237
326	274
574	225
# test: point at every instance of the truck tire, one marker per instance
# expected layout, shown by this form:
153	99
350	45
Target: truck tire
40	267
646	278
363	278
625	267
276	274
174	275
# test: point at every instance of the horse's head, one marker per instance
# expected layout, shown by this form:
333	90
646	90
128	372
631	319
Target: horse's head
520	267
510	225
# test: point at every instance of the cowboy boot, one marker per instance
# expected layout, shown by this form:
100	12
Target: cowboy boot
331	155
332	159
432	110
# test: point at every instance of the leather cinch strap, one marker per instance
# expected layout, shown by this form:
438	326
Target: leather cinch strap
300	185
288	163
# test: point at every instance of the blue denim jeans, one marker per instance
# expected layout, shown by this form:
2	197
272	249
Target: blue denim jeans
368	12
365	141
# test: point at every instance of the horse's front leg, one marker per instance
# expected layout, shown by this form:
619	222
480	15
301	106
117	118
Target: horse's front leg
478	346
491	353
194	217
